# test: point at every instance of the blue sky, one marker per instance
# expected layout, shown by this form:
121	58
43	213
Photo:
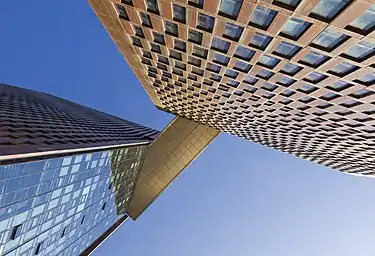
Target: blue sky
238	198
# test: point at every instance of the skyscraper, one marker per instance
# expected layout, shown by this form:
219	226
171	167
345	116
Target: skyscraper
296	76
70	175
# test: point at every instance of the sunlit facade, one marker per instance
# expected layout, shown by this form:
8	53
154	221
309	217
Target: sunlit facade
294	75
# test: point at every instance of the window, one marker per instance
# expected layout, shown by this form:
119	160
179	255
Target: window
233	83
269	87
195	36
328	10
155	48
197	71
265	74
146	61
200	52
268	61
339	86
146	20
361	93
205	22
152	6
175	55
250	80
180	65
179	13
368	79
220	45
171	28
194	61
295	28
38	248
242	66
178	72
196	3
122	12
288	93
262	17
213	68
260	41
244	53
360	51
315	77
180	45
329	39
162	66
232	31
128	2
221	59
138	31
286	81
343	69
286	50
103	206
230	8
365	23
163	59
158	38
147	54
215	77
314	59
137	41
232	74
287	4
16	232
307	88
290	69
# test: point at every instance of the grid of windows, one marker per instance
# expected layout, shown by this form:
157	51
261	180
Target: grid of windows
314	51
55	206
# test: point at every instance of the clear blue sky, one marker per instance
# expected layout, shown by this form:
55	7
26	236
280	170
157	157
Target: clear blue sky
238	198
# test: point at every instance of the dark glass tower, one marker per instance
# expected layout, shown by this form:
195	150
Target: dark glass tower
67	173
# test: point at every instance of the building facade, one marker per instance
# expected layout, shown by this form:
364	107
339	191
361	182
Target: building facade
294	75
71	175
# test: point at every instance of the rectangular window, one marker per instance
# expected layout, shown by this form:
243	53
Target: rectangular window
155	48
215	77
343	69
230	8
138	31
286	81
196	3
16	232
360	51
287	4
290	69
339	86
365	23
328	10
231	74
260	41
180	65
175	55
262	17
180	45
286	50
146	20
221	59
171	28
163	59
213	67
179	13
315	77
265	74
128	2
38	248
152	6
220	45
205	22
197	71
242	66
200	52
122	12
232	31
195	37
244	53
268	61
158	38
328	40
295	28
233	83
368	79
250	80
314	59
